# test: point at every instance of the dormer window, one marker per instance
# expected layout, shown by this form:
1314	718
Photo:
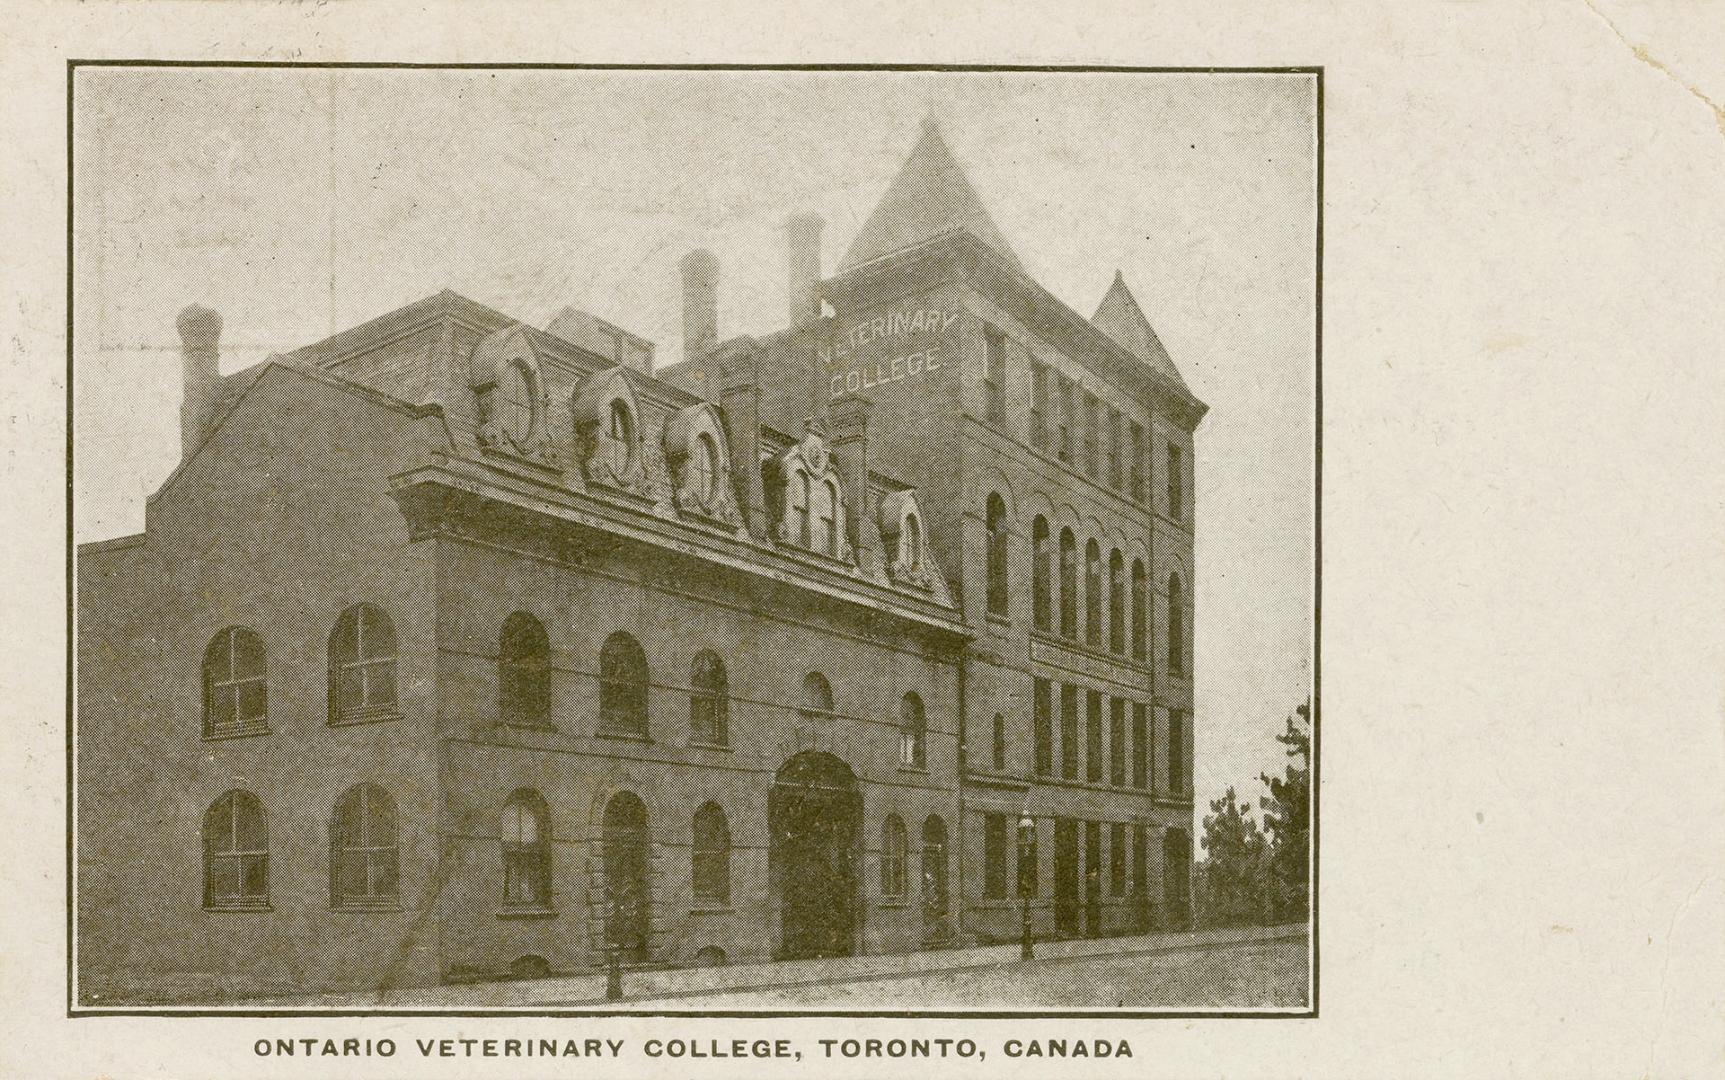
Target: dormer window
912	542
703	466
829	530
901	527
621	429
509	396
517	410
693	440
813	498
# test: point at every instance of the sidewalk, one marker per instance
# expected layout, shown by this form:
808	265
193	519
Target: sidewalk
671	983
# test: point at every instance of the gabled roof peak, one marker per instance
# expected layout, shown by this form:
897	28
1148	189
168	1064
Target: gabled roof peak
1120	317
929	196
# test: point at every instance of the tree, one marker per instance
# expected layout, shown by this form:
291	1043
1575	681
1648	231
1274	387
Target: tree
1287	819
1234	866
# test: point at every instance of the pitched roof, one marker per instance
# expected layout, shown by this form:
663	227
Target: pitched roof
929	196
1120	317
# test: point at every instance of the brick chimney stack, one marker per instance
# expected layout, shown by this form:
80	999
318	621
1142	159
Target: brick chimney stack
700	302
200	372
803	241
740	401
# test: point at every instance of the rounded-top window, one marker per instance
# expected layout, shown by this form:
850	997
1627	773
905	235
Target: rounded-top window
912	542
704	466
620	427
517	411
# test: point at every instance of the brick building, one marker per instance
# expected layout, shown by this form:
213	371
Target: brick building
457	647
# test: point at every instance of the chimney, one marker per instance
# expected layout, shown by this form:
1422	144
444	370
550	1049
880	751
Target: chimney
847	418
740	401
803	238
700	302
200	372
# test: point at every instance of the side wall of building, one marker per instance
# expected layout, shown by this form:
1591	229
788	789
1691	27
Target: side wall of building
277	524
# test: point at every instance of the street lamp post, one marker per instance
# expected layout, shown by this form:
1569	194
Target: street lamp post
1026	845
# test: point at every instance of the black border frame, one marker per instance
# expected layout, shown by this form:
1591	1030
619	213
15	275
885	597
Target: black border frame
75	1011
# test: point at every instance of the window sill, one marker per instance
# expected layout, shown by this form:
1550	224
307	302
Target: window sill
364	906
527	913
522	725
236	906
246	732
712	909
622	736
365	716
997	619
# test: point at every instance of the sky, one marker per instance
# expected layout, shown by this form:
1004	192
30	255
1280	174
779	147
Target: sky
300	202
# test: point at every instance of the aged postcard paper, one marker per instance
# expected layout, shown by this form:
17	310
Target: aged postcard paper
609	551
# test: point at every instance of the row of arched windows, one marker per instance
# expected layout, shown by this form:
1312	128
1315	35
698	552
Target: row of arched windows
362	658
364	850
1127	623
362	685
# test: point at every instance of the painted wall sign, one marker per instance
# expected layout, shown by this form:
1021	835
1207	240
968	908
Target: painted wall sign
854	368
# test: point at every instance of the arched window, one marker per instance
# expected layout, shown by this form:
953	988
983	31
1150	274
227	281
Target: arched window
996	522
524	672
620	426
1068	584
236	701
627	905
362	666
363	856
801	493
526	842
817	693
622	687
893	843
236	854
710	872
1092	594
1140	621
1176	625
912	732
709	702
704	467
516	390
829	520
934	866
1116	602
913	542
1041	575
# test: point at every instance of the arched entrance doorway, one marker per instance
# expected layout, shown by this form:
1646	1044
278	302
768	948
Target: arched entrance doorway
628	908
814	813
1177	877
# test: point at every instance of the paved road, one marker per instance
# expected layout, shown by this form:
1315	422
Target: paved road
1239	976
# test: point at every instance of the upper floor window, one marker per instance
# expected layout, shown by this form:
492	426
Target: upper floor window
996	524
622	687
1176	625
1041	575
235	699
1176	751
817	693
893	844
1066	420
620	436
524	672
362	665
1176	484
364	867
1116	602
1042	721
802	493
1117	742
1039	404
709	703
1137	450
1092	427
1140	618
710	869
1068	731
1093	735
994	375
704	467
1140	745
1114	463
518	397
1092	594
912	732
999	745
1068	584
236	853
526	849
828	540
912	540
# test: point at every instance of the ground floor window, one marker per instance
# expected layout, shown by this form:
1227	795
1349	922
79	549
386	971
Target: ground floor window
364	858
994	856
236	853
